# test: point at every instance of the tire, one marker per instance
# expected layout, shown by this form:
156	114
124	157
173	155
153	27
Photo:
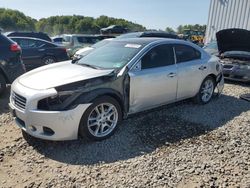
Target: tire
98	124
48	60
206	91
2	84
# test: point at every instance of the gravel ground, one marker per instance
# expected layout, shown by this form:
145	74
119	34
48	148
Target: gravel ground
181	145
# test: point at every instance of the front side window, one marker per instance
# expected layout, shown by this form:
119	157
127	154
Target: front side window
186	53
159	56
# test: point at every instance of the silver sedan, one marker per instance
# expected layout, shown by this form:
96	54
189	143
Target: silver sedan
90	97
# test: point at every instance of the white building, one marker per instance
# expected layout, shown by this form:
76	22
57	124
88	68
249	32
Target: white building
224	14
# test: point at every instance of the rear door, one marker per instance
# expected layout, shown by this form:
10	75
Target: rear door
33	52
191	69
153	80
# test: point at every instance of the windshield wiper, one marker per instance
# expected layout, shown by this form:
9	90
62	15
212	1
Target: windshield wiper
88	65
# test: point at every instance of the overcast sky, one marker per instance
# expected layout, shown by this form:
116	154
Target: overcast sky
154	14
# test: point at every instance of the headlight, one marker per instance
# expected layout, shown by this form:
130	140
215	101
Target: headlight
77	57
57	102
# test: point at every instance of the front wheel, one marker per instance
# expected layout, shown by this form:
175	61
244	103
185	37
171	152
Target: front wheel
101	119
206	91
48	60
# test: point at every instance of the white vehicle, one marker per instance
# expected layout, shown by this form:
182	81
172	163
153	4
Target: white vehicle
91	96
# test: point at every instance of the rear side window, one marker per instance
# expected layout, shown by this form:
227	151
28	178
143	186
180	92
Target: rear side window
27	43
186	53
159	56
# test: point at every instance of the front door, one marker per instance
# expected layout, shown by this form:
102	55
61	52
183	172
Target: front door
153	80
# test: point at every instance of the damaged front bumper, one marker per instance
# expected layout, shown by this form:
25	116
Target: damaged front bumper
48	125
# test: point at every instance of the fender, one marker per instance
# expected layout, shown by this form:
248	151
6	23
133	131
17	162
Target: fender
90	96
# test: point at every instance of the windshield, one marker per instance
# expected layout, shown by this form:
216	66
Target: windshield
112	55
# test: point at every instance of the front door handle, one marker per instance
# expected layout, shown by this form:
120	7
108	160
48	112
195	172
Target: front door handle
202	67
41	50
172	74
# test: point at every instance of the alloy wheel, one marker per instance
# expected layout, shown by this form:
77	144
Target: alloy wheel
102	120
49	61
207	90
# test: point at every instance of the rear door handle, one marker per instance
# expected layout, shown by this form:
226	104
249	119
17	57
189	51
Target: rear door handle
202	67
41	50
172	74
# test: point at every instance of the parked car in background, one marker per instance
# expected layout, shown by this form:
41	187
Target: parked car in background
37	52
84	51
11	65
57	40
39	35
77	41
234	52
160	34
91	96
114	29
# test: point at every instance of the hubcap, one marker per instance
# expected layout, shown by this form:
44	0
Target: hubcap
49	61
102	120
207	90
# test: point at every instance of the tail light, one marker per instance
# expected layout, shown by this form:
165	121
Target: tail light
15	48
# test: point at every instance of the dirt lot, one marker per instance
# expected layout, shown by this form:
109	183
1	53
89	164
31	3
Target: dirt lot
181	145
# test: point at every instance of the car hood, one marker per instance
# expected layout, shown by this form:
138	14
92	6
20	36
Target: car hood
233	40
84	50
58	74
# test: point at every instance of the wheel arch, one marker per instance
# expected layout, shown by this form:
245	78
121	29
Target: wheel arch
94	94
90	97
212	75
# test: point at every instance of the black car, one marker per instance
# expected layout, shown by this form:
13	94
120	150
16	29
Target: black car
11	65
39	35
114	29
160	34
36	52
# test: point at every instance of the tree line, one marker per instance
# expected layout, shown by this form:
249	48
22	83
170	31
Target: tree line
14	20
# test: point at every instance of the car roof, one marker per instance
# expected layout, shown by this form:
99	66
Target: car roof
79	35
148	40
159	34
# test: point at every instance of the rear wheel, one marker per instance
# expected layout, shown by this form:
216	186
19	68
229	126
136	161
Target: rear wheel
48	60
101	119
206	91
2	84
